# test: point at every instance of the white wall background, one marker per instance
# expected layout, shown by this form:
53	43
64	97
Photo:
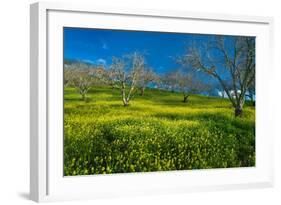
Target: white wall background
14	101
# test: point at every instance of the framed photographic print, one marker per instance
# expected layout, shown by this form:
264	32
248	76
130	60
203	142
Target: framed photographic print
127	102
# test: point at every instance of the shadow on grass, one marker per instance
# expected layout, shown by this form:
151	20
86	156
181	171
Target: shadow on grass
225	122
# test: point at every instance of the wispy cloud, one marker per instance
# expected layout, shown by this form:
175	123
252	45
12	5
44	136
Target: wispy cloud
88	61
101	61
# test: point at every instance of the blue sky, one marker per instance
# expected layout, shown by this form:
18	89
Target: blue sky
98	46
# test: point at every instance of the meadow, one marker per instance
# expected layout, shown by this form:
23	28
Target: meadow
156	132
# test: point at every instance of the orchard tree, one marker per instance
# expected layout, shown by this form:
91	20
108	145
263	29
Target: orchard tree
82	82
126	72
83	76
68	77
70	69
228	60
112	74
189	83
146	76
169	81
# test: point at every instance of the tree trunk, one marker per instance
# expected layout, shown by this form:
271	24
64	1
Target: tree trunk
83	96
125	102
123	93
238	111
124	99
252	100
185	98
142	91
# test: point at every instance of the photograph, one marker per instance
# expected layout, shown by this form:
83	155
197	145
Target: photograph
149	101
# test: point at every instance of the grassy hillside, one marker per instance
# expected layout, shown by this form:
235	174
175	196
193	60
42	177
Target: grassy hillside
156	132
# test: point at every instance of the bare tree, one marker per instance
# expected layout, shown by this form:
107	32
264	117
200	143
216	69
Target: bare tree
126	74
146	76
112	77
68	77
227	59
170	80
69	71
83	76
188	84
82	82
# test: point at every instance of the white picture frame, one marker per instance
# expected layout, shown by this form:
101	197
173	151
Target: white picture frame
47	182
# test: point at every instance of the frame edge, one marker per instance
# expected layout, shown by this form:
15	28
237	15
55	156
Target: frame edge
38	104
38	71
34	26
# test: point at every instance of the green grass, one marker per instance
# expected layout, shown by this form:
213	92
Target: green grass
157	132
